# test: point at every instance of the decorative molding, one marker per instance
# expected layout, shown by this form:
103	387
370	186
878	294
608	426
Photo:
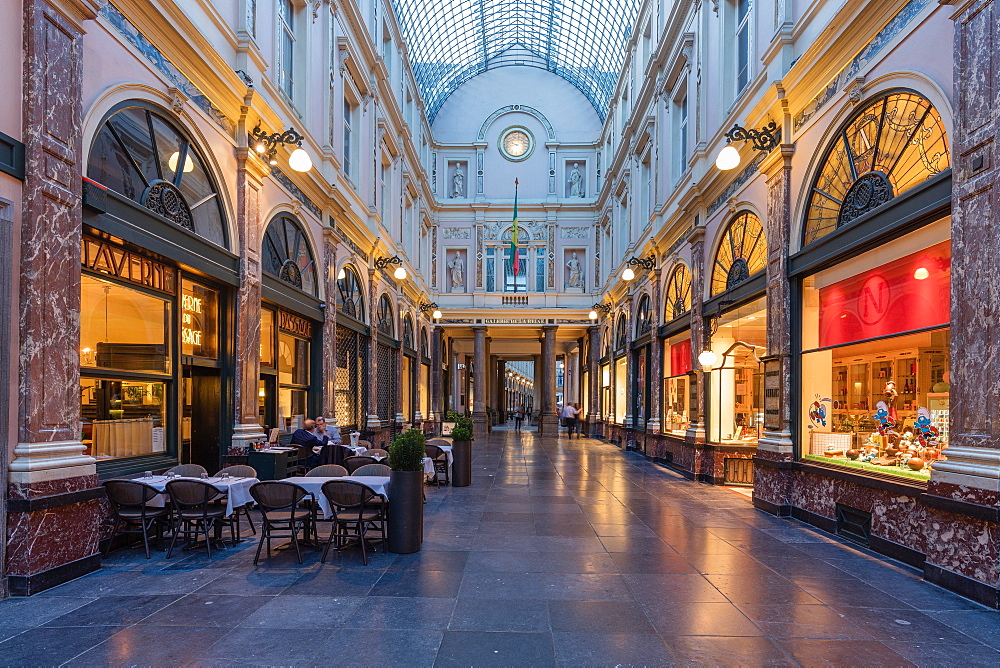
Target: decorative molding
354	247
737	183
180	82
576	233
851	71
296	192
549	131
456	233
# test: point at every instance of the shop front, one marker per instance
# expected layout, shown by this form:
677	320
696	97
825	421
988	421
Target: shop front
640	392
156	290
353	342
424	404
410	369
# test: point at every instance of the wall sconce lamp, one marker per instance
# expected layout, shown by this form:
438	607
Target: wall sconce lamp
766	139
267	146
647	263
384	262
427	306
602	307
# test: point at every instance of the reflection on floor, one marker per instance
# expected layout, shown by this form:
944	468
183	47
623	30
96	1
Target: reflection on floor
561	551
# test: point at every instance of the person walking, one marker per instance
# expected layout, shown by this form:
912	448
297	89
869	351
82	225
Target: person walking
518	416
568	415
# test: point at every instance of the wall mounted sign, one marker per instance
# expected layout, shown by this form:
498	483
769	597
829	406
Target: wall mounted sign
772	393
294	324
102	257
199	320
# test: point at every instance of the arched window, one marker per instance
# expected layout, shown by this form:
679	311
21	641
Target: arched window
383	317
425	348
408	332
352	300
287	255
643	317
606	343
678	293
894	143
742	253
138	153
621	335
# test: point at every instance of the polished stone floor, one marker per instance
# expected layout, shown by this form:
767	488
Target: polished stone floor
568	552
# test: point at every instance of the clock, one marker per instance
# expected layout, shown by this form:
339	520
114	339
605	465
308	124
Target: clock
516	143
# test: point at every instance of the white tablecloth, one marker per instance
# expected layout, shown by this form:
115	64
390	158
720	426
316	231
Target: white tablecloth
377	483
237	490
428	467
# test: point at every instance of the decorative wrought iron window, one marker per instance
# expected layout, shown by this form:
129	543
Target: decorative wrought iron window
741	254
139	154
351	384
408	332
621	334
352	300
643	317
892	144
385	388
451	41
383	317
287	255
678	293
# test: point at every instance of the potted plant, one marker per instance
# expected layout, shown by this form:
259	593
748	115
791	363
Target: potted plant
451	418
461	465
406	485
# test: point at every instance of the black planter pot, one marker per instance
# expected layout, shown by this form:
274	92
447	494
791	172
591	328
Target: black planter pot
406	511
461	464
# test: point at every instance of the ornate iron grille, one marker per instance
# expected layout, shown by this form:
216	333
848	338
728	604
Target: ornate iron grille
737	471
351	384
385	388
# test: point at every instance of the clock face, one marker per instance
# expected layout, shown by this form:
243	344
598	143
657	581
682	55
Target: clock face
516	143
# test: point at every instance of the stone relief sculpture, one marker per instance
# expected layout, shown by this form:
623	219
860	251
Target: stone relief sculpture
575	279
458	182
576	185
457	269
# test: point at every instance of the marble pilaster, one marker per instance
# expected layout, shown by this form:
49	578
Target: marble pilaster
397	360
437	377
696	430
479	373
373	422
654	373
594	379
329	399
549	420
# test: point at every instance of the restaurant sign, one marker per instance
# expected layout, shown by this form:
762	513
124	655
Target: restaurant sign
772	393
100	256
294	324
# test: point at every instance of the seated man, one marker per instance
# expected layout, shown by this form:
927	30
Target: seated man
306	436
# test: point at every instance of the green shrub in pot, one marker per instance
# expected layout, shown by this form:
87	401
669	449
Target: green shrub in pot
406	452
463	432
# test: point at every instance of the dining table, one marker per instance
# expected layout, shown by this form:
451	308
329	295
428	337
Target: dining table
314	485
236	489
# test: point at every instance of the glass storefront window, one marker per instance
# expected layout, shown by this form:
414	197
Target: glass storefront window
293	360
677	365
122	418
737	380
199	320
875	357
292	407
621	383
606	390
267	337
122	328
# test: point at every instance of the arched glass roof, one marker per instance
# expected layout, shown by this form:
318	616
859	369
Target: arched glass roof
451	41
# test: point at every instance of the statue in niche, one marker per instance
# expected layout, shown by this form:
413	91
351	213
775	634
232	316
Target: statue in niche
457	269
575	279
576	186
458	183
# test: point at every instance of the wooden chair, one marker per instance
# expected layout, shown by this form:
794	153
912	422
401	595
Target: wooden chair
327	471
440	459
373	469
196	514
130	504
355	512
188	470
241	471
280	508
356	462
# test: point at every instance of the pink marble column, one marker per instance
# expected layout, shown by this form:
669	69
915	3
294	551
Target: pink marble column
373	422
594	379
479	373
397	361
654	374
437	376
54	542
250	171
329	367
549	420
772	481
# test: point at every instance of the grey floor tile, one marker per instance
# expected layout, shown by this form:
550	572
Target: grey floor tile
599	617
718	651
474	648
611	649
500	615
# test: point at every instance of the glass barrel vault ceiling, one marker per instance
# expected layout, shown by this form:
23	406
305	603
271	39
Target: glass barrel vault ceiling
451	41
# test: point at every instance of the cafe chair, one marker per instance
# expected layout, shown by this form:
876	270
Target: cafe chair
241	471
188	470
376	452
438	441
367	445
440	459
355	512
303	458
280	509
373	469
130	504
196	514
356	462
327	471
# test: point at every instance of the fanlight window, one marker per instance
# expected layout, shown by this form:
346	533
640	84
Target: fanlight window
643	317
287	255
606	343
621	336
352	301
383	317
408	332
895	143
742	253
678	293
139	154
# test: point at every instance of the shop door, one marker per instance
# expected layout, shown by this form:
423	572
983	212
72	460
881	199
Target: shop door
202	421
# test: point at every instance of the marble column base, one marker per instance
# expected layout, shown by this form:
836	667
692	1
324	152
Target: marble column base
244	436
51	460
653	426
975	468
400	418
373	423
778	442
480	426
548	425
